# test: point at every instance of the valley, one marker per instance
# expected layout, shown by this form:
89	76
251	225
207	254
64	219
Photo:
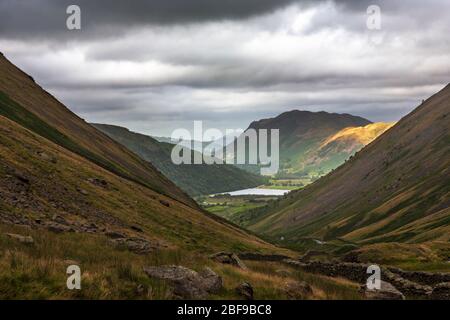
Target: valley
109	200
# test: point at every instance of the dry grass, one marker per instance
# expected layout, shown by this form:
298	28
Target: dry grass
38	271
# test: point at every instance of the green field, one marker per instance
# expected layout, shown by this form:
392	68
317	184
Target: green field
235	209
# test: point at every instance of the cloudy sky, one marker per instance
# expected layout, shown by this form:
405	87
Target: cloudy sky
157	65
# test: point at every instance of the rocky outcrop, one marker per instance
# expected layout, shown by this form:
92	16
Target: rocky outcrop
245	290
58	227
137	245
387	292
297	290
228	258
187	283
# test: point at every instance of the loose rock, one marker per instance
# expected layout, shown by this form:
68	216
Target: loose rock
137	245
187	283
245	290
296	290
228	258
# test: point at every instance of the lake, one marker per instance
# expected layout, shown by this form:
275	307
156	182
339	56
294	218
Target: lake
258	192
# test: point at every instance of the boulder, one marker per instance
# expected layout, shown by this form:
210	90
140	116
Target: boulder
187	283
245	290
20	238
441	291
297	290
386	292
211	280
136	245
228	258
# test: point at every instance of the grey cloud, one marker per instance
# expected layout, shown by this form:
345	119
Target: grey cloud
47	18
228	62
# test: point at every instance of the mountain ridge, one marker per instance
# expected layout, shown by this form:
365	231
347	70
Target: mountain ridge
301	133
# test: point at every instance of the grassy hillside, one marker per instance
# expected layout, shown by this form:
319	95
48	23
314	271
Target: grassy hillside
397	189
194	179
26	102
338	148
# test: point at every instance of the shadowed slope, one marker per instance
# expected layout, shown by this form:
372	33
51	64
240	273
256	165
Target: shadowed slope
28	101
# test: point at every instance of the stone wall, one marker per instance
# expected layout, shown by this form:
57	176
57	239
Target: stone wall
425	278
262	257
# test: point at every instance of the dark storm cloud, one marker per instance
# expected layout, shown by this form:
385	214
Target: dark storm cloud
154	66
48	17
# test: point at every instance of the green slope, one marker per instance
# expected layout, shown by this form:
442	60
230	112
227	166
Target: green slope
397	189
194	179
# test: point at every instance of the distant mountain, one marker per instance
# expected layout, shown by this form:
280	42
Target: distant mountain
194	179
191	144
304	137
397	189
